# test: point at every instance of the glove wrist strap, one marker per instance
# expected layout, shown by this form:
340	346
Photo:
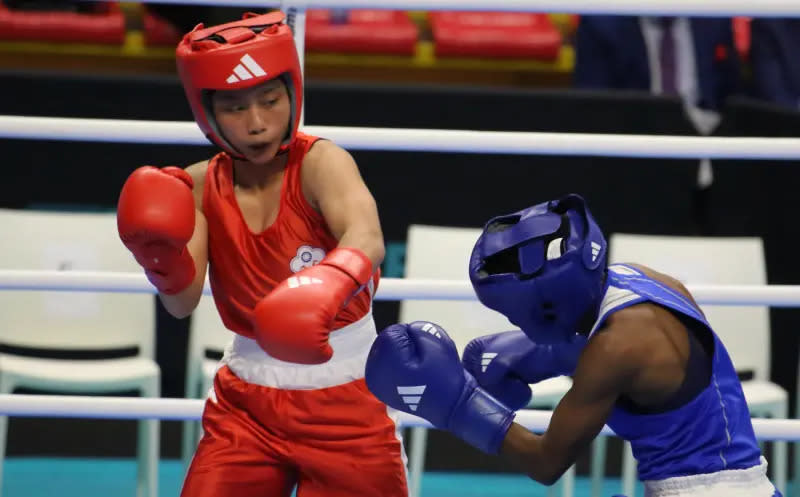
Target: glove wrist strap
481	421
352	261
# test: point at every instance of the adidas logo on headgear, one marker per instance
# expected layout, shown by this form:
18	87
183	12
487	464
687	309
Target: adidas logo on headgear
248	69
595	250
411	395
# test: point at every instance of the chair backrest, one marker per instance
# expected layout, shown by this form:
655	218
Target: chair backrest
438	252
714	261
207	333
71	320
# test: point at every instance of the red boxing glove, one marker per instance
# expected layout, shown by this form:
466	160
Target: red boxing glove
292	323
155	219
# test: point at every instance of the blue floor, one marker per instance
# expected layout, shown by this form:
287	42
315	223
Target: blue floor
37	477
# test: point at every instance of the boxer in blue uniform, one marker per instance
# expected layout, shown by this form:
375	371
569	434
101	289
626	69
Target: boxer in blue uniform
643	358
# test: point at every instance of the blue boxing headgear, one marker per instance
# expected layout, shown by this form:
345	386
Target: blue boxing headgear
543	268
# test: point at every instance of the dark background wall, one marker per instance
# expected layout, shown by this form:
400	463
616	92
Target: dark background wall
755	198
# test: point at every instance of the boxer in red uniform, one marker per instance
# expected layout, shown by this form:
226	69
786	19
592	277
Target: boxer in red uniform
292	241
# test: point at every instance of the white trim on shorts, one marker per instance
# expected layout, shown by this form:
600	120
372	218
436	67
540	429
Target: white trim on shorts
350	345
750	482
394	415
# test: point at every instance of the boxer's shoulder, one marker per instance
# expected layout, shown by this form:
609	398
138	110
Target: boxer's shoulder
663	278
198	173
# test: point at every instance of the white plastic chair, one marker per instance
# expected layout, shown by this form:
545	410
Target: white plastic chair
745	330
434	252
206	334
77	321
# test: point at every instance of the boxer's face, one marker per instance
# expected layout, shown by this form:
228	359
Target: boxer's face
254	120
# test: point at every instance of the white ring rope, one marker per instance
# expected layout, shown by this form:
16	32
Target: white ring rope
420	140
389	288
762	8
68	406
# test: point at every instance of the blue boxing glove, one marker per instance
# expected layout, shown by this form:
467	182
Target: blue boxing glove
415	368
506	363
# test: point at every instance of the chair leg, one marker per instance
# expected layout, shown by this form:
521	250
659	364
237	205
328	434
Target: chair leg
568	482
628	471
780	454
598	465
188	442
147	456
207	383
191	432
796	445
148	449
565	485
3	433
779	458
5	387
796	480
416	463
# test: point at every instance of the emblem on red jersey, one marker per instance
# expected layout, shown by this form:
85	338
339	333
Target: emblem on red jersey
307	256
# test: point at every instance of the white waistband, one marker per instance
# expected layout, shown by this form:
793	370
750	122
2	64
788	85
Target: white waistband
350	345
750	482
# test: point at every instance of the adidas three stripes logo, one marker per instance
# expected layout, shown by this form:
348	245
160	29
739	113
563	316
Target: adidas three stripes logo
411	395
248	69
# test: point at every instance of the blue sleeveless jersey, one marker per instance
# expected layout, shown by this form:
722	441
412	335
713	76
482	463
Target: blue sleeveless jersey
710	433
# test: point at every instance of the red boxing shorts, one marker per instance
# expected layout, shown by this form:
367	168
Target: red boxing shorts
270	425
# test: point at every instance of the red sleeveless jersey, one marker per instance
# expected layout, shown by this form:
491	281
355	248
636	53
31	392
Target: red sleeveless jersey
245	266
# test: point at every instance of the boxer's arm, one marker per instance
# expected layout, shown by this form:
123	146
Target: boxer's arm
292	322
603	373
181	304
333	186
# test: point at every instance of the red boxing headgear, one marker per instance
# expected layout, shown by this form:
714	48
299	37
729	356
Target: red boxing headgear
234	56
